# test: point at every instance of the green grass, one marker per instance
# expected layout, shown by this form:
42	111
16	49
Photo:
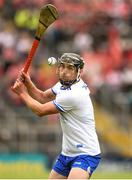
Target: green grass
22	170
112	175
28	170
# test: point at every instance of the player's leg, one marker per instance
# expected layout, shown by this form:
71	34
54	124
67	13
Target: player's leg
78	173
83	166
55	175
60	169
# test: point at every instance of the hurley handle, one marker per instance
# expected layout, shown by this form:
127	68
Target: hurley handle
31	55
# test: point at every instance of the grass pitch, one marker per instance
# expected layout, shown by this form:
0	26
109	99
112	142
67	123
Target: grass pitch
28	170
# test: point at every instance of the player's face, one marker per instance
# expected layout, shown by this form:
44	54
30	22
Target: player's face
67	72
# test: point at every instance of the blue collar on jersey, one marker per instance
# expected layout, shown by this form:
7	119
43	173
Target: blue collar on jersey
68	86
65	88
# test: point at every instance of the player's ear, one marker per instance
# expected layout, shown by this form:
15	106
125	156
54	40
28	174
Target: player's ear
57	71
81	71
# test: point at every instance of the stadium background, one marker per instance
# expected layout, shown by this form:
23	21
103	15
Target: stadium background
101	31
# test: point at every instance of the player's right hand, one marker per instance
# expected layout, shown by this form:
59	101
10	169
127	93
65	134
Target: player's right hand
25	78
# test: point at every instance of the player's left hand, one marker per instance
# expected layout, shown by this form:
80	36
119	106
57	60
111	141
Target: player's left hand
19	87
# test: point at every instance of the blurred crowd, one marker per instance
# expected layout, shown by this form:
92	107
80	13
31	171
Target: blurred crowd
101	31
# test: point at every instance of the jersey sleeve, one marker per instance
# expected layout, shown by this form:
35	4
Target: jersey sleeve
55	88
65	102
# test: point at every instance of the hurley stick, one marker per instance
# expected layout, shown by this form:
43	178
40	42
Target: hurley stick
48	14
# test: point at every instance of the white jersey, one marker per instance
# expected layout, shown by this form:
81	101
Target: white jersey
77	119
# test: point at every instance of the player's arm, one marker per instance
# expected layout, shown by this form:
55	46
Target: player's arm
34	92
34	105
38	108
